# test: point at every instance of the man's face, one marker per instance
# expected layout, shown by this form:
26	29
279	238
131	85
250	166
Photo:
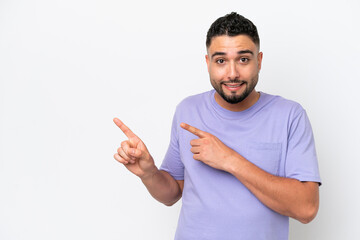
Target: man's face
233	64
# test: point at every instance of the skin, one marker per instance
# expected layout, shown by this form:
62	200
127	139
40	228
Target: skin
289	197
230	61
134	155
234	59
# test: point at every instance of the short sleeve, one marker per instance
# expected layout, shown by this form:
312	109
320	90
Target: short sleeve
301	159
172	162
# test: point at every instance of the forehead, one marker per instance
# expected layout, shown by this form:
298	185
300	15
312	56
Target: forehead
228	44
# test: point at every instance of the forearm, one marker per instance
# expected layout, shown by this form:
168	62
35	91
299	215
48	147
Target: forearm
286	196
162	186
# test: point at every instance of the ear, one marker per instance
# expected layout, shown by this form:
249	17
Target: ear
207	58
259	58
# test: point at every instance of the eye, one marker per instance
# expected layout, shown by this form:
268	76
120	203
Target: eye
244	60
220	61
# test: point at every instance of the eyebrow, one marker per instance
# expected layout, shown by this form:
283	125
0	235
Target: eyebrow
239	52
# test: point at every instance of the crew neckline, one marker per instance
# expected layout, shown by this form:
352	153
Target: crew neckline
232	114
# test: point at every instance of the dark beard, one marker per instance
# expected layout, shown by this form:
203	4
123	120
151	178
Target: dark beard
233	98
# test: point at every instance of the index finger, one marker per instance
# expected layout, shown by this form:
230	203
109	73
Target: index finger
193	130
124	128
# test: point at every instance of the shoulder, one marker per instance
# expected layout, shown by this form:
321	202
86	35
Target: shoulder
192	107
194	100
281	104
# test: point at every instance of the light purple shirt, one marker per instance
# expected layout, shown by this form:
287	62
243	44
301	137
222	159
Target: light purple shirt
274	134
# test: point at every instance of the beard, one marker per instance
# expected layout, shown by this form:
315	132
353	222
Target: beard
234	98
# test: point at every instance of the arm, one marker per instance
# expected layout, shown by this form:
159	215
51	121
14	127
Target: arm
290	197
163	187
134	155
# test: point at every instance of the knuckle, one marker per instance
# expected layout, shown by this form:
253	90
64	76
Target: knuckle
119	159
197	156
135	152
123	144
123	155
123	162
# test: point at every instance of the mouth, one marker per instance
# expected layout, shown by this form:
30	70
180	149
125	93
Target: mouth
233	87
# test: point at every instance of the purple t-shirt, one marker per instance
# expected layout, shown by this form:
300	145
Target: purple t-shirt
274	134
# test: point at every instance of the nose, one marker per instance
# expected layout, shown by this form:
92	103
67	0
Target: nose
233	72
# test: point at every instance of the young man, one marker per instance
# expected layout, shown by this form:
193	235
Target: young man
243	161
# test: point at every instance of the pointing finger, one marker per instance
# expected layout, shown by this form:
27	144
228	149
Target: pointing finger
193	130
124	128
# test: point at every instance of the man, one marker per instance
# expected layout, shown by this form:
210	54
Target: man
243	161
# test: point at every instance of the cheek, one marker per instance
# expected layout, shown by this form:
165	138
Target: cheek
217	73
250	71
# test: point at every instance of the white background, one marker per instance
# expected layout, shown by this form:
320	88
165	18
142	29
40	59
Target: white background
68	67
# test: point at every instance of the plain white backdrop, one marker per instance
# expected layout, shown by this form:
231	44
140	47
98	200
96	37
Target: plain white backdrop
67	67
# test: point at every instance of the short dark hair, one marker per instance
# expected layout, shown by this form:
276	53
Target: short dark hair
232	24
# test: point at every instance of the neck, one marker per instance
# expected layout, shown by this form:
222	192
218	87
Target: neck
241	106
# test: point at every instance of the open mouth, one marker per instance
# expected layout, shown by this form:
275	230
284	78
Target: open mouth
233	86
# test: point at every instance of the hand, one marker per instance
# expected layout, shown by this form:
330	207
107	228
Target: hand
134	154
209	149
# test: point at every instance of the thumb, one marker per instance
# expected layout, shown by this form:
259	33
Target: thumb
132	142
134	152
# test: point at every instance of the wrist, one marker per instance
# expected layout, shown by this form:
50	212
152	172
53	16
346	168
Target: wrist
235	160
148	175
